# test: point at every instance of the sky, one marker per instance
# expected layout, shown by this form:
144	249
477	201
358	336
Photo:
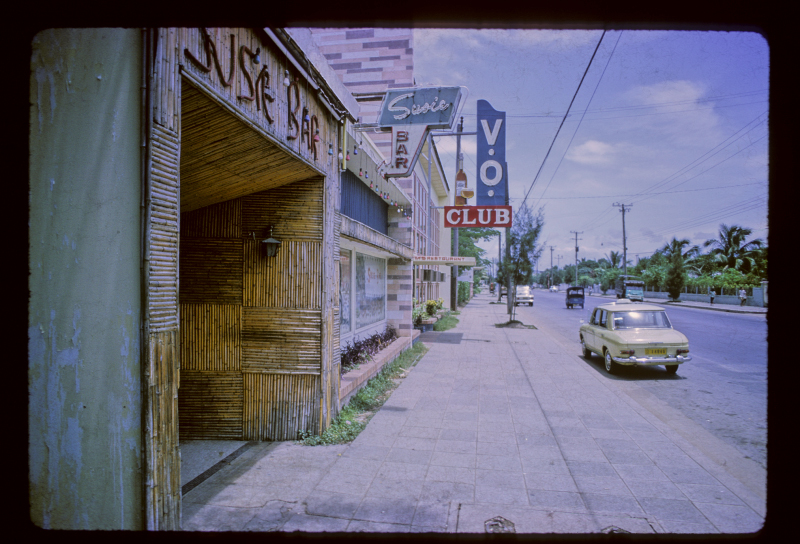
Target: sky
673	123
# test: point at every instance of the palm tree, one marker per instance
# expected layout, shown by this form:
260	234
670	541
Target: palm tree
675	247
733	250
615	259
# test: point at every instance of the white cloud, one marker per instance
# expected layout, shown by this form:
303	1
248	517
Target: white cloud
667	92
591	152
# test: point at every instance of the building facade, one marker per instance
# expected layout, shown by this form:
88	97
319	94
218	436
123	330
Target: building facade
370	61
191	222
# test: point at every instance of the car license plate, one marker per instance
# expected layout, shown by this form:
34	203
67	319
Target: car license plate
655	351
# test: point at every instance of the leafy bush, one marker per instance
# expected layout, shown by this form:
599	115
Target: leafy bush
361	351
431	307
439	303
463	292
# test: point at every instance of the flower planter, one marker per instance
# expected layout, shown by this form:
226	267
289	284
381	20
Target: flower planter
352	381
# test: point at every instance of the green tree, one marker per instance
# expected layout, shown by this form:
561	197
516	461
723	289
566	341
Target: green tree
675	276
732	249
676	247
523	248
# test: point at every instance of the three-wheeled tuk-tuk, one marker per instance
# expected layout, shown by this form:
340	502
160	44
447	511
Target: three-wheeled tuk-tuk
575	296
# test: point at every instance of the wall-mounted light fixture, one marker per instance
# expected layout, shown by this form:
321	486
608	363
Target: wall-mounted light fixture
257	58
269	246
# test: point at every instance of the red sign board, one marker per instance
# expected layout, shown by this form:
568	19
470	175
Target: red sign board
456	217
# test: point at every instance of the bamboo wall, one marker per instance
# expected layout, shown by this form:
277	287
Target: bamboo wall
161	195
251	326
227	148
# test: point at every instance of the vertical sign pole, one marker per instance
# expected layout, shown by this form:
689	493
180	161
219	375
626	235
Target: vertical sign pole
454	282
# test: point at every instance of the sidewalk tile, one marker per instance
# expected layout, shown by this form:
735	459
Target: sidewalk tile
496	448
497	436
206	517
628	457
334	505
596	502
431	515
460	425
413	443
416	457
455	492
409	471
682	527
617	444
495	423
655	489
640	472
500	494
456	446
691	475
385	510
363	451
419	432
271	517
603	485
556	500
451	474
449	459
729	518
544	464
358	526
499	462
591	468
395	488
550	482
714	494
672	509
458	434
511	479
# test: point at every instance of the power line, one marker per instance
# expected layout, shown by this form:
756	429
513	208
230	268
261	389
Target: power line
581	120
565	115
638	194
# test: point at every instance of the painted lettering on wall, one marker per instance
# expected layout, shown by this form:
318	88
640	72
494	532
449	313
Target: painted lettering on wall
257	89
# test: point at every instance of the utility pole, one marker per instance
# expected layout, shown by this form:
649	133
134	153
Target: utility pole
559	257
459	175
576	253
624	239
551	266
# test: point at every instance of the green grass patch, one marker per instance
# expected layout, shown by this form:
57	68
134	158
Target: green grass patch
353	418
445	323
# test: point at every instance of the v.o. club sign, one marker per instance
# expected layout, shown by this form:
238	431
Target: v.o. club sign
492	169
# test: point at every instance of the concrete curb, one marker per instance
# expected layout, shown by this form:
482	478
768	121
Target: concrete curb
685	305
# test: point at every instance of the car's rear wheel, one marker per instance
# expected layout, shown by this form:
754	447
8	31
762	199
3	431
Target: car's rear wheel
671	369
611	366
586	351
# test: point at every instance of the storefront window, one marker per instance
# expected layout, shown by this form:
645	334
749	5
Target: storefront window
345	290
370	290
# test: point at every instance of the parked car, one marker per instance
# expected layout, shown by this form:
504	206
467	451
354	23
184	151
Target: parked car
575	297
524	295
624	333
553	289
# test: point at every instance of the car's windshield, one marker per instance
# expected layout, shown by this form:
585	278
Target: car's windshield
636	291
641	320
523	290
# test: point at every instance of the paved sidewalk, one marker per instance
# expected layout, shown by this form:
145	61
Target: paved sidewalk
495	422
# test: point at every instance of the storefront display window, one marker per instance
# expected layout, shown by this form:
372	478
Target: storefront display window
370	289
345	290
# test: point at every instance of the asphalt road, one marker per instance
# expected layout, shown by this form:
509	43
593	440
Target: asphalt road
723	388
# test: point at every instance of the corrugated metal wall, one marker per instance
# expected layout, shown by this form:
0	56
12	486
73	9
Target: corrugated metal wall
364	205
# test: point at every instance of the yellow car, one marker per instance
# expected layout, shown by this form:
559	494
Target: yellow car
625	333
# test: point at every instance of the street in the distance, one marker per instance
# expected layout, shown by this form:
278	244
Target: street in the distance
723	388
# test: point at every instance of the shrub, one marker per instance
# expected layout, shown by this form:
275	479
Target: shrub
430	307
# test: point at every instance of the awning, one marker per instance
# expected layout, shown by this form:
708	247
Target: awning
447	260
